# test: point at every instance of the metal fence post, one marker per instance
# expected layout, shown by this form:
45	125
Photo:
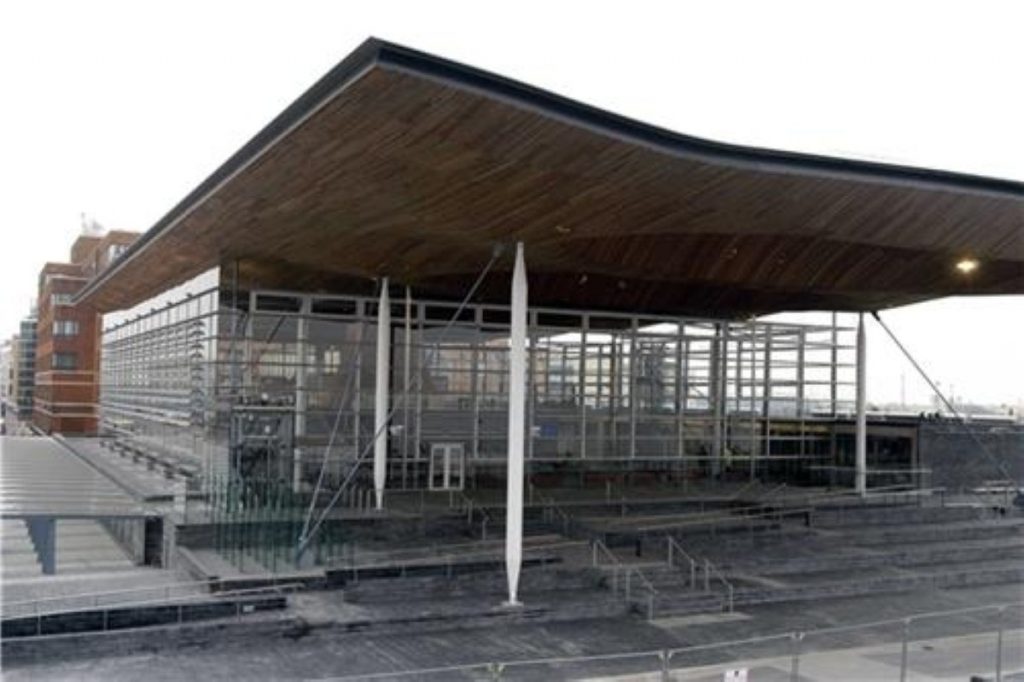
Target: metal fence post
903	650
794	671
999	644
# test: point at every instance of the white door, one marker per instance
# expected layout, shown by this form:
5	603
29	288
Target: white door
447	465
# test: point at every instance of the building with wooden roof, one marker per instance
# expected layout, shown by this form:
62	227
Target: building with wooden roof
422	275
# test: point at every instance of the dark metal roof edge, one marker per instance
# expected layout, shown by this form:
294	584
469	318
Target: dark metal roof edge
374	51
673	142
349	68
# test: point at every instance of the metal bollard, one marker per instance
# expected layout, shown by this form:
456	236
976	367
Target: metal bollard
666	665
794	671
999	645
903	650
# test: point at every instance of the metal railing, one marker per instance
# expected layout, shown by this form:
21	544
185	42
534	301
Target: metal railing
464	503
629	576
711	571
712	659
34	607
552	509
180	603
676	550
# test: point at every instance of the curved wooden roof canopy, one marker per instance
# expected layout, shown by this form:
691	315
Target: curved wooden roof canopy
400	163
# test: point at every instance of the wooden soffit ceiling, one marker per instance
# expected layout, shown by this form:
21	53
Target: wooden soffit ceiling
398	163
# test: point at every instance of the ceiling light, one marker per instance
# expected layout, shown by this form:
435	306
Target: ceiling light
967	265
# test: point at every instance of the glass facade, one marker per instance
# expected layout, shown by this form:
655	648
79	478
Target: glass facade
157	373
706	396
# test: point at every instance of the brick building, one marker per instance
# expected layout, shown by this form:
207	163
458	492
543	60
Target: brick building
67	345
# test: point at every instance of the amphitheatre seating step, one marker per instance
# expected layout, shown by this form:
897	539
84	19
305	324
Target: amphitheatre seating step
532	579
896	515
919	554
931	532
948	577
669	605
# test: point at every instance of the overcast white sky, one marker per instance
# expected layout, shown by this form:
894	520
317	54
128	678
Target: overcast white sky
119	109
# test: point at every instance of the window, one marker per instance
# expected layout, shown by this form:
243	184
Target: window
64	361
60	299
114	251
65	327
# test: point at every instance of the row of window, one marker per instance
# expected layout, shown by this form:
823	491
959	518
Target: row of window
65	327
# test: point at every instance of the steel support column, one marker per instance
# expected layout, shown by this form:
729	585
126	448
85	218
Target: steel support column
861	465
301	401
716	393
516	427
383	369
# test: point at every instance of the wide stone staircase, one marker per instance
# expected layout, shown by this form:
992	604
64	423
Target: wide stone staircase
861	552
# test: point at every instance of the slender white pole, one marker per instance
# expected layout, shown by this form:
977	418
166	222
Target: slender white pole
862	421
380	422
516	427
301	400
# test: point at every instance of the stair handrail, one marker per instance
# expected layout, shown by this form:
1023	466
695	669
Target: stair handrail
711	571
468	504
674	548
598	547
553	507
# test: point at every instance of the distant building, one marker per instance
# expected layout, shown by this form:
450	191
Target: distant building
6	348
24	389
67	351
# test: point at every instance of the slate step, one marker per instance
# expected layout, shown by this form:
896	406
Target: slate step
683	604
906	556
882	584
383	590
